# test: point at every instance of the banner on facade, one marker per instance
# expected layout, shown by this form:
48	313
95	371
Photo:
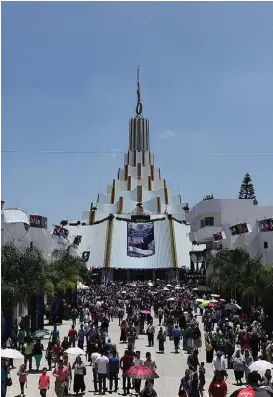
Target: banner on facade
38	221
240	228
266	225
219	236
140	239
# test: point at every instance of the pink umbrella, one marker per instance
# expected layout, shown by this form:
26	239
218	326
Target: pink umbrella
140	372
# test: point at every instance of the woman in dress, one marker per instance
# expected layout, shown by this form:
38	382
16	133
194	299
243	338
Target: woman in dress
248	361
123	337
238	366
79	373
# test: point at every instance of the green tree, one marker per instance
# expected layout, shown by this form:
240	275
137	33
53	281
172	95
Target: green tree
23	274
208	197
65	270
265	286
247	190
234	272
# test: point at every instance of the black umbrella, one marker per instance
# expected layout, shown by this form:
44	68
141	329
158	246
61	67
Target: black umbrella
203	288
250	391
232	307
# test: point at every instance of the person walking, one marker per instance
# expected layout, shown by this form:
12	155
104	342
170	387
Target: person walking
79	374
62	378
28	353
22	374
113	371
126	362
138	361
72	336
176	334
151	334
161	337
102	369
4	377
38	353
44	383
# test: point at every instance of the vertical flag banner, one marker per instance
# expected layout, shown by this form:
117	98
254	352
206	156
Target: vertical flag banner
140	239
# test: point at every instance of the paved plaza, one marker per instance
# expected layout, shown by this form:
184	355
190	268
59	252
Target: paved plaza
170	367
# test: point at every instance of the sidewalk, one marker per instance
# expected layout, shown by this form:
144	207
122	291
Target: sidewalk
170	367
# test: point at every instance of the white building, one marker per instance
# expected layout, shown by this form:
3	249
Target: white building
210	217
138	193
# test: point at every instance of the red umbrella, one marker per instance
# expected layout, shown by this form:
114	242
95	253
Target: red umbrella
213	305
145	311
140	372
222	300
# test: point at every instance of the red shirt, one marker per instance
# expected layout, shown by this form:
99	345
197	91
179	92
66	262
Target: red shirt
44	381
218	389
127	362
72	334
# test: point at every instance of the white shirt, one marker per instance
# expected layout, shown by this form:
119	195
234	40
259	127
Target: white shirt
94	356
102	362
219	364
138	361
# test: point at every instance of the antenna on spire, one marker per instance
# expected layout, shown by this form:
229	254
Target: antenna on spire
139	104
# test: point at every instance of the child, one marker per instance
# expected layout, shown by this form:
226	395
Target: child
202	379
22	373
44	383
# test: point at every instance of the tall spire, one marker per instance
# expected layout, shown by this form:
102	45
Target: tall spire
139	103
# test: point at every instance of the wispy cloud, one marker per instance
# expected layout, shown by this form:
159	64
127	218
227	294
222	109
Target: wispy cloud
169	134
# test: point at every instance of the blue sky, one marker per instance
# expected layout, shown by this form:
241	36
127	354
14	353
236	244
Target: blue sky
69	82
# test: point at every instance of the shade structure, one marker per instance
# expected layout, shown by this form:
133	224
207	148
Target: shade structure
252	392
140	372
76	351
11	353
260	366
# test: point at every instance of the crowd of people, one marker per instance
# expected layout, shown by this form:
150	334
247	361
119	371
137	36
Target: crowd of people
169	314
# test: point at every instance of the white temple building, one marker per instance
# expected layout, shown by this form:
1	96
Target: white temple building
138	202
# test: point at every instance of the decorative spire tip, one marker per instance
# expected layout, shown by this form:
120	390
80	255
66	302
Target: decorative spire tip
139	103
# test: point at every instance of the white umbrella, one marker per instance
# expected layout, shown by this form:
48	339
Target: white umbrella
178	287
169	285
76	351
170	299
215	295
165	289
260	366
11	353
199	300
